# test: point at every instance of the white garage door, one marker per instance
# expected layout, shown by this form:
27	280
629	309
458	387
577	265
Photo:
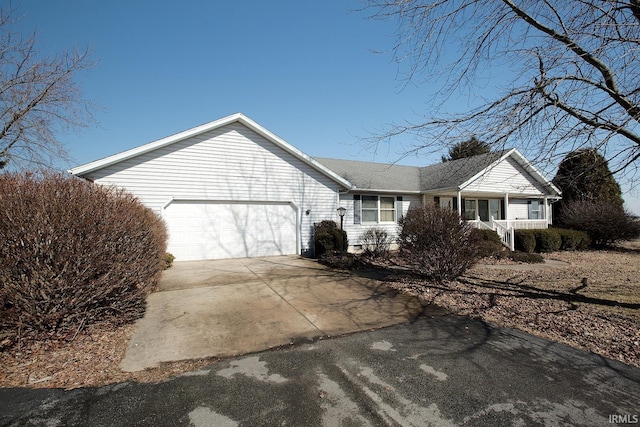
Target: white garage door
211	230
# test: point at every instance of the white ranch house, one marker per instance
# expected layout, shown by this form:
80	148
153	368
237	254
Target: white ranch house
231	188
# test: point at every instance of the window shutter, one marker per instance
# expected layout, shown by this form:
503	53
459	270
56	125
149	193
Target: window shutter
436	201
455	203
356	209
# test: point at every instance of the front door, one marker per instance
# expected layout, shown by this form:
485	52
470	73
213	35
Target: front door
483	210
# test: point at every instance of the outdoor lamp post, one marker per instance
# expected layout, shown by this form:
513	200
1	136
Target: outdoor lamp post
341	212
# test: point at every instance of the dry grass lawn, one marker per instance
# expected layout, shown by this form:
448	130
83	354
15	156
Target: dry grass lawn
592	303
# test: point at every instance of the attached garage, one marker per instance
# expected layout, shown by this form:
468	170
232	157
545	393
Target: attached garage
226	189
222	229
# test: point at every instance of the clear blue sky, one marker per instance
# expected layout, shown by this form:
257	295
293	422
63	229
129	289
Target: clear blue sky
306	70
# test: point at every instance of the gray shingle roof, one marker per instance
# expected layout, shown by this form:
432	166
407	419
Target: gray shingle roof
375	176
383	176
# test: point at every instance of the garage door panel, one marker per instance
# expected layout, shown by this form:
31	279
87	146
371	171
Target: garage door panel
208	230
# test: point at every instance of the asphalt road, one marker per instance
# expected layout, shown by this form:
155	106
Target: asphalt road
440	371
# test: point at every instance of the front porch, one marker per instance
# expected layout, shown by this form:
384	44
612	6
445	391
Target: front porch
504	213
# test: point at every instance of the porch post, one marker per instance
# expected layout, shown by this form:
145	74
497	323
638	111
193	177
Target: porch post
506	208
459	204
546	209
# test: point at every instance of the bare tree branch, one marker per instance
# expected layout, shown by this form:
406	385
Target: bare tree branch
39	97
570	77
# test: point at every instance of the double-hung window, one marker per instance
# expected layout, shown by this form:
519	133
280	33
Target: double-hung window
369	208
535	209
378	209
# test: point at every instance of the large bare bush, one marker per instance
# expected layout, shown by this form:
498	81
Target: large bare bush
73	253
436	242
605	223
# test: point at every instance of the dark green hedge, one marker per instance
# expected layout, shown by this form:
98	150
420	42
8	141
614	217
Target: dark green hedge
551	240
327	238
525	240
547	240
573	240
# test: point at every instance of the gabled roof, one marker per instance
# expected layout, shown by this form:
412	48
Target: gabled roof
447	176
376	176
525	164
454	174
352	174
238	117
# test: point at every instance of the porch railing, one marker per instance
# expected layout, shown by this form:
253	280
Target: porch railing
523	224
507	235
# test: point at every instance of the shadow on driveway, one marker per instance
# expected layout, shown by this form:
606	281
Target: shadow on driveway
229	307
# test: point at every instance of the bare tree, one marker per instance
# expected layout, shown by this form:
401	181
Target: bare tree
38	98
569	73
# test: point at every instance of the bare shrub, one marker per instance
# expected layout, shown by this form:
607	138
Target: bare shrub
436	242
74	253
604	222
376	242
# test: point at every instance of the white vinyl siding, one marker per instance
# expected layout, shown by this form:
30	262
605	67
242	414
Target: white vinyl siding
355	230
518	209
226	164
506	177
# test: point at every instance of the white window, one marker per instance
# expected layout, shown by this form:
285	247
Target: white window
369	208
535	209
387	209
378	209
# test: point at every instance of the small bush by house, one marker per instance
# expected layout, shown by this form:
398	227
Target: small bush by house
488	243
74	253
436	242
341	260
327	238
547	240
376	242
525	240
168	260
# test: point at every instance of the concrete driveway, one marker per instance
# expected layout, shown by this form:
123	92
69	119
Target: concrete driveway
229	307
